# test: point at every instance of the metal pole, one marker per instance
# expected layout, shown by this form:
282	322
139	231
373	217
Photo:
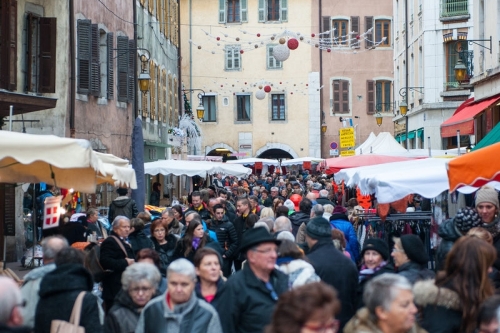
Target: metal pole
458	142
429	144
11	112
406	74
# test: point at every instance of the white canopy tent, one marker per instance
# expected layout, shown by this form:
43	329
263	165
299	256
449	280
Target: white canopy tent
253	160
194	168
384	143
364	147
301	160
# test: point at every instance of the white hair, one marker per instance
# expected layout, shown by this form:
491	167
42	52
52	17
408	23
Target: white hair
261	224
10	296
286	235
183	267
141	271
116	221
282	223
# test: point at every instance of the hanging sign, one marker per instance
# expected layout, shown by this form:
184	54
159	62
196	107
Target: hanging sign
51	212
347	153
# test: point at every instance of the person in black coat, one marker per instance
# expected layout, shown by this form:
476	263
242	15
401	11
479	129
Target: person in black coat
194	239
164	243
332	266
59	290
122	205
137	238
411	259
115	257
302	216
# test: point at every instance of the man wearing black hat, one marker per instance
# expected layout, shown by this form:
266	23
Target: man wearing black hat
332	266
248	298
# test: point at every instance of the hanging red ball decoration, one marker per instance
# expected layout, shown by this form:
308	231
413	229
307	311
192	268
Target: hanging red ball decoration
328	50
293	44
218	38
241	51
312	35
358	37
258	35
267	89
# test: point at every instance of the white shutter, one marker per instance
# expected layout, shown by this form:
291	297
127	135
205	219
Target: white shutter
222	11
244	11
284	11
262	11
237	58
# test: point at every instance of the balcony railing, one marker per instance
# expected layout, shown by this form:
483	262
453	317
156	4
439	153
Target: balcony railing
384	107
450	8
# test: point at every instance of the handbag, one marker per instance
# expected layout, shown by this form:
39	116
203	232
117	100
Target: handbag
73	326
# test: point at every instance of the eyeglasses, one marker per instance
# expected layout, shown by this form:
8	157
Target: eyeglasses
270	287
138	290
159	231
332	325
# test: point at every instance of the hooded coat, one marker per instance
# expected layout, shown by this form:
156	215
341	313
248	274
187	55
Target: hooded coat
122	206
449	234
362	322
341	222
58	292
123	315
299	272
415	272
297	219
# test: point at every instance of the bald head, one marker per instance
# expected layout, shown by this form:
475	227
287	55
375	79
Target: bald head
311	196
282	223
10	312
51	247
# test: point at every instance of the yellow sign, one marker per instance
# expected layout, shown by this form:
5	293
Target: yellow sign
347	152
347	138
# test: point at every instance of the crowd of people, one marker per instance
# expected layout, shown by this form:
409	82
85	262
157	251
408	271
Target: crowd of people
265	254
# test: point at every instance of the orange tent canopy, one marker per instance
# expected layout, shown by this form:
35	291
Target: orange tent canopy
476	168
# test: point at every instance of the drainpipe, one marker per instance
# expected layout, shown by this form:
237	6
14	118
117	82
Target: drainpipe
135	111
190	51
72	71
321	74
179	58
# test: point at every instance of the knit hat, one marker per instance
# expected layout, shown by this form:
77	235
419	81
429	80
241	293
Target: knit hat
414	249
289	204
487	194
319	228
339	210
296	199
466	219
376	244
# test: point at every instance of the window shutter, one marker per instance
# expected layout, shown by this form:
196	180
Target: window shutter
284	11
152	90
110	67
244	11
262	11
369	35
95	69
336	96
151	6
237	58
345	96
222	11
132	56
326	36
355	31
164	78
48	37
370	100
8	45
122	64
84	40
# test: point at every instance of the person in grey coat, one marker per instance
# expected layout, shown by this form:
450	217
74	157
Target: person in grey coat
179	310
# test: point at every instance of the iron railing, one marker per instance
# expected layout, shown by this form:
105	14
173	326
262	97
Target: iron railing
451	8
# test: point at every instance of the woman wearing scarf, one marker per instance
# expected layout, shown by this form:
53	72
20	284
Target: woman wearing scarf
487	208
375	261
194	239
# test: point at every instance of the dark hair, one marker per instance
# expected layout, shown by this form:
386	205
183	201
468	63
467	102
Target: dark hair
69	255
244	201
297	306
352	202
146	217
488	310
148	254
222	191
466	273
288	248
305	206
276	202
178	209
339	235
196	194
202	253
189	236
158	223
251	220
122	191
156	187
254	198
282	211
137	224
217	206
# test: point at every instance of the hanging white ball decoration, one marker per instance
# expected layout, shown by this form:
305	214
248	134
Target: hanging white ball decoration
260	94
281	52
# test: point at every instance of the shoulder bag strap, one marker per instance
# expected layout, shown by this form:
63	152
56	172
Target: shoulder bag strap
120	245
77	309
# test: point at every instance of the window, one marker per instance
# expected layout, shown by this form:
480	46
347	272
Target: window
272	63
378	96
242	107
451	60
273	10
210	110
340	101
233	11
8	44
41	54
340	32
383	30
233	57
451	8
278	105
342	35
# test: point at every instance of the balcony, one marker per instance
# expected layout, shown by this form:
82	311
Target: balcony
454	10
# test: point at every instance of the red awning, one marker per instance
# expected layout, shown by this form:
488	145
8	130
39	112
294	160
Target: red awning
463	118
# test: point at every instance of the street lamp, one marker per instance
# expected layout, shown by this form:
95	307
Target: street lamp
403	108
323	127
378	118
460	71
200	110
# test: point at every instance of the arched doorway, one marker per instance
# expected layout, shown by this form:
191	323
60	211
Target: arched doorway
275	153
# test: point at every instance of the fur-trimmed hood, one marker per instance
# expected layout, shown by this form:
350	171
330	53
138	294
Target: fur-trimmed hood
362	322
427	293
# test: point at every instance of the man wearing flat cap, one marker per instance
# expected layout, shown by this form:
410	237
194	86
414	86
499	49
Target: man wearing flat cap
248	298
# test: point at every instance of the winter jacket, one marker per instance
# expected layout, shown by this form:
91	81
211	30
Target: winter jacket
226	236
112	258
203	211
415	272
245	304
301	234
194	316
440	309
176	228
29	292
335	269
341	222
138	240
7	329
388	268
230	211
297	219
154	198
58	292
299	272
122	206
123	315
215	301
362	322
165	251
449	234
241	226
73	232
180	249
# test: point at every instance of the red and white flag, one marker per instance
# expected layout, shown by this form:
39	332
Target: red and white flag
51	212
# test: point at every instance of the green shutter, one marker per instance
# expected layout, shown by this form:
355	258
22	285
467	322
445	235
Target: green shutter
262	11
110	64
222	11
122	65
284	11
244	11
83	30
